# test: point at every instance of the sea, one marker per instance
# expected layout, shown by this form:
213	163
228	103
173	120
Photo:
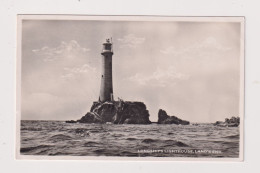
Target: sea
57	138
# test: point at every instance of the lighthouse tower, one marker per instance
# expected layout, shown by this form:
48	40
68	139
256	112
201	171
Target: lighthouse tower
106	89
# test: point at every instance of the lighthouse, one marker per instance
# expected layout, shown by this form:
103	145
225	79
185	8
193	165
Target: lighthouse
106	88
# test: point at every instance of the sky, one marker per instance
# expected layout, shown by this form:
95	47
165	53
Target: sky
189	69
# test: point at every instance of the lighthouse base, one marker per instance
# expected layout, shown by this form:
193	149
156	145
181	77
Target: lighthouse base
117	112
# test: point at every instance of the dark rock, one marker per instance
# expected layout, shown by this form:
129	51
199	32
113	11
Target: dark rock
71	121
90	117
163	118
233	125
232	122
117	112
218	122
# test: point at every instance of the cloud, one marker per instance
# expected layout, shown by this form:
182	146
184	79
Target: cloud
72	72
211	43
170	50
130	41
160	78
65	50
207	45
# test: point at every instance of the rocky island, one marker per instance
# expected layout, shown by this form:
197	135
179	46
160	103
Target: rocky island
232	122
124	112
117	112
163	118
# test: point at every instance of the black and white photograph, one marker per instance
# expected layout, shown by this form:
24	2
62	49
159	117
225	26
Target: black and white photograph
130	87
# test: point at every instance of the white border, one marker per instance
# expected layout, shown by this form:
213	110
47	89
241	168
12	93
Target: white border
8	13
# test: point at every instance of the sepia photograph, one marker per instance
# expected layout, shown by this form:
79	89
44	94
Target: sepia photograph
129	87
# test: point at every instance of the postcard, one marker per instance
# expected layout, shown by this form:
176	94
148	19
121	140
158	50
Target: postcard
130	88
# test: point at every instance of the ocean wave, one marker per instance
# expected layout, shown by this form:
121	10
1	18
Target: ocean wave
90	144
31	128
131	139
231	144
232	136
175	143
57	154
170	133
127	153
60	137
30	149
95	131
170	142
100	151
117	135
148	140
82	132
